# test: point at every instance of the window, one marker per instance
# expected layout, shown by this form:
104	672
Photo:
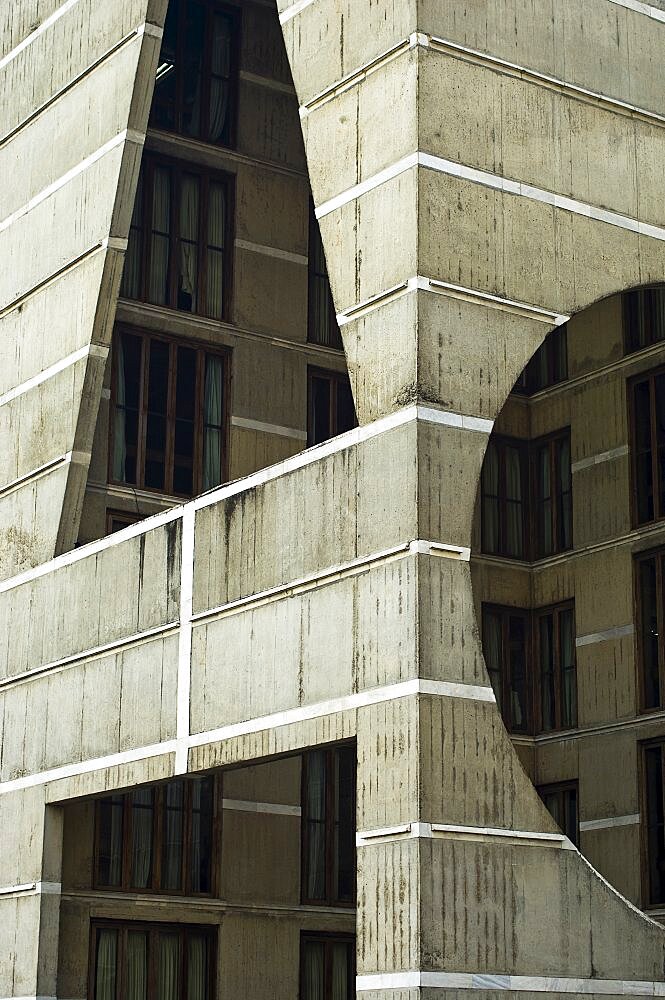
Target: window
504	498
561	801
552	495
168	404
650	595
322	325
330	405
554	639
644	318
116	520
327	967
138	961
157	838
196	83
179	253
548	366
329	826
505	638
648	446
654	834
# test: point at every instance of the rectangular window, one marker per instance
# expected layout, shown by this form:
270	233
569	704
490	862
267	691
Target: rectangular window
650	601
552	495
116	520
554	638
653	806
168	406
561	802
329	827
644	318
548	366
331	410
157	839
322	327
327	967
505	647
179	253
504	498
647	394
196	87
140	961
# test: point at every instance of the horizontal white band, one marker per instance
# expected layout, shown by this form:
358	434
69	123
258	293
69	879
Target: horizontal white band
47	23
609	823
603	456
35	474
495	182
32	889
641	8
296	8
611	633
257	425
90	350
268	251
519	984
264	808
440	831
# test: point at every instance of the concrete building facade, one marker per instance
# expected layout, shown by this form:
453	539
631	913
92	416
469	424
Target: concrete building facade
332	502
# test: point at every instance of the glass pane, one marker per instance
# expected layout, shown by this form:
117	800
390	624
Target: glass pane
158	387
136	961
568	669
192	76
341	971
345	824
202	819
490	501
315	818
197	967
213	418
105	964
659	393
544	537
514	545
570	823
161	241
128	370
346	411
518	694
169	967
189	250
109	863
547	693
314	970
649	633
492	649
163	107
183	459
142	806
216	244
220	89
655	833
173	833
320	408
565	525
643	459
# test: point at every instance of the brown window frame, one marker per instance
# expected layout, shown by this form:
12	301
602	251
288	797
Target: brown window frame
549	441
658	488
153	929
505	612
328	939
235	15
561	789
145	190
501	443
631	306
330	896
658	555
335	378
157	842
315	276
202	350
555	610
122	518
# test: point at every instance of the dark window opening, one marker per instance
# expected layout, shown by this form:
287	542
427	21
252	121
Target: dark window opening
643	318
552	495
327	967
654	835
561	802
650	603
548	366
554	637
329	826
647	394
505	643
322	326
504	498
331	410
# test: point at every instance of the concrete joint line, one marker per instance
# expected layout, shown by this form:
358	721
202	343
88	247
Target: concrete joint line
494	182
185	639
641	8
610	823
441	831
32	889
39	30
268	82
90	350
92	251
450	290
245	423
259	248
262	808
498	981
358	75
610	633
296	8
604	456
72	457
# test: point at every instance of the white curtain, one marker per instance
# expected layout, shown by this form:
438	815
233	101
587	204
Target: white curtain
169	966
161	226
107	950
212	420
492	649
142	820
172	860
219	84
340	972
189	235
131	277
119	419
215	260
137	965
197	968
314	971
316	827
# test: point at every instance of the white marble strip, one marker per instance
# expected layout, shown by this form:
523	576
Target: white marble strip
603	456
296	8
268	251
494	182
361	72
641	8
62	181
609	823
305	713
519	984
264	808
300	461
32	889
257	425
35	474
158	632
39	30
267	82
185	639
446	288
610	633
90	350
434	831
